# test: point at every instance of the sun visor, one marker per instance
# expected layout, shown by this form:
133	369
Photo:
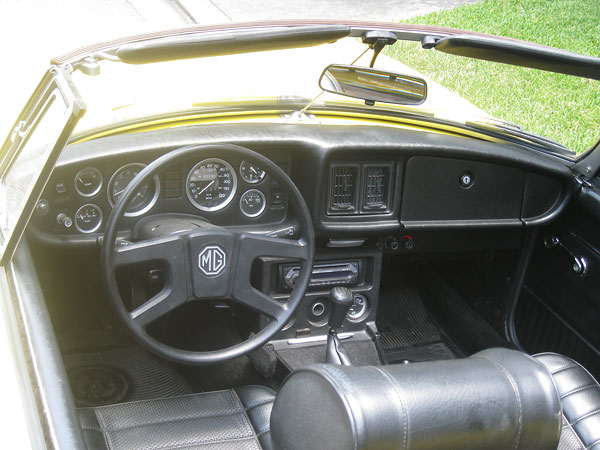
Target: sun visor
517	53
229	42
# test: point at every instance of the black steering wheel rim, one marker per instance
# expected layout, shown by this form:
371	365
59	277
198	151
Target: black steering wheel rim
306	245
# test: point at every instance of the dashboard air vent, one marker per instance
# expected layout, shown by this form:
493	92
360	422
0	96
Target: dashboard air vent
343	184
376	187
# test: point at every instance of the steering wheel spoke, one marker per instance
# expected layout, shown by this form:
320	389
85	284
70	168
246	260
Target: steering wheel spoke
257	300
165	301
167	249
253	246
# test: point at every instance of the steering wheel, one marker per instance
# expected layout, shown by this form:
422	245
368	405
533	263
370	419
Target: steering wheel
207	262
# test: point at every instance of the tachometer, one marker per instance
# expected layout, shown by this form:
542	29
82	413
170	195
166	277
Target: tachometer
144	198
211	184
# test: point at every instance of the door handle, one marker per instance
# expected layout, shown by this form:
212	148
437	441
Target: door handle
579	264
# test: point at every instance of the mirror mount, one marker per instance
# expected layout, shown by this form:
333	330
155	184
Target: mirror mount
378	40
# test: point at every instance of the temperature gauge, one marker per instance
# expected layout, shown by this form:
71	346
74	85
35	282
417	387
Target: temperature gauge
251	173
253	203
88	218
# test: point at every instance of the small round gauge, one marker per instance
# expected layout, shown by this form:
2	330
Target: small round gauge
88	182
88	218
253	203
211	184
144	198
359	308
251	173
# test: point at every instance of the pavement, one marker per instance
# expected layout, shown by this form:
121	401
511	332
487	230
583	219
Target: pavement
33	31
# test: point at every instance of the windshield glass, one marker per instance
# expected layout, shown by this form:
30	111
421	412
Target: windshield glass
456	93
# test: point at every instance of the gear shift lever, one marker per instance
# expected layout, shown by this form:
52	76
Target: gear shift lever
341	300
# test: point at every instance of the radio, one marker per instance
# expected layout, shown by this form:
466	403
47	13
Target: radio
329	274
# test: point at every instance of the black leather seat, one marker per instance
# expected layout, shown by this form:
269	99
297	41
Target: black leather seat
580	397
496	399
235	419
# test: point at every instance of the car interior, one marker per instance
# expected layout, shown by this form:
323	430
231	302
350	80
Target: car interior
288	285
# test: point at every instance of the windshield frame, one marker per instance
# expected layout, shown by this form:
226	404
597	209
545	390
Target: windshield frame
429	36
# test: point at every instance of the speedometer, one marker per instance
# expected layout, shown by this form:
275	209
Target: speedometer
211	184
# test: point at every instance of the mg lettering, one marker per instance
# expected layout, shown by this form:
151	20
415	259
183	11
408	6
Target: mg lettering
212	260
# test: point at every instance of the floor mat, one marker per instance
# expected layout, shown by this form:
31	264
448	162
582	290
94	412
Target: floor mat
407	333
97	377
460	323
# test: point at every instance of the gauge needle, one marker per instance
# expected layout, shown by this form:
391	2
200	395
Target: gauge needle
117	194
206	187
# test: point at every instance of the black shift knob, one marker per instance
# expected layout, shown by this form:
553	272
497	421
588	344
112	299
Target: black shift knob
341	300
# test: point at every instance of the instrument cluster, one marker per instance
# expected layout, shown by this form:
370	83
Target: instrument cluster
209	187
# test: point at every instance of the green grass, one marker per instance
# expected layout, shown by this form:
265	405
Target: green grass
561	107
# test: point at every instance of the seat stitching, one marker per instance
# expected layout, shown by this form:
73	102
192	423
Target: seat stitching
511	381
398	393
245	419
562	369
91	428
263	432
264	402
329	374
193	394
590	414
593	443
102	424
180	419
579	389
194	440
194	443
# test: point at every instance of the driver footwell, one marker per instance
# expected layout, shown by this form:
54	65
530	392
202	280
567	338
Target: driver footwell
105	367
121	375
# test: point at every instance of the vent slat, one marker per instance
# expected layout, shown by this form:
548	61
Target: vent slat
343	189
375	189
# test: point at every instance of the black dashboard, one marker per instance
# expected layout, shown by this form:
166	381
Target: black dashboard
395	188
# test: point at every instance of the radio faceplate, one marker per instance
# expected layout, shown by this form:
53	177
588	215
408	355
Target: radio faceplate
327	274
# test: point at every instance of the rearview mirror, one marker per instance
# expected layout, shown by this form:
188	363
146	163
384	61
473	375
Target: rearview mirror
373	85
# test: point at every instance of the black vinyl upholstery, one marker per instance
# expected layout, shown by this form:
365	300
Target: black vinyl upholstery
235	419
580	397
495	399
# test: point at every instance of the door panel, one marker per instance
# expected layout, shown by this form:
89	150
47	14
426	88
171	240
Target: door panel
559	308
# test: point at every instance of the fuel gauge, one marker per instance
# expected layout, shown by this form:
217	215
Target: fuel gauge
88	182
253	203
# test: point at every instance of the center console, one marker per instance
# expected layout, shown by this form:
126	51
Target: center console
359	271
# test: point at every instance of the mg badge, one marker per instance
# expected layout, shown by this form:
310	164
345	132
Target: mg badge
212	260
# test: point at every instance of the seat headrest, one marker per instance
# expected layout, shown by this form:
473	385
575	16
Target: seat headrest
495	399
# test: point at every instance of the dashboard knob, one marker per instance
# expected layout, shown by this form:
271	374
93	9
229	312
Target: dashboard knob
64	220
